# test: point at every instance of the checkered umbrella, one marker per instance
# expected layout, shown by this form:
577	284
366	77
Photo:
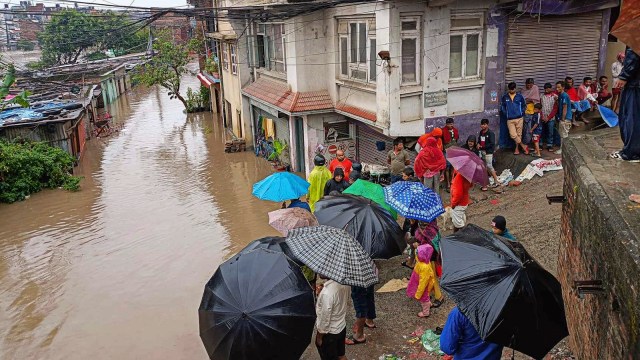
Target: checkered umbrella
333	253
414	200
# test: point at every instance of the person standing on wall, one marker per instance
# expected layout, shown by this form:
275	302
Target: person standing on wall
513	107
397	159
629	81
341	162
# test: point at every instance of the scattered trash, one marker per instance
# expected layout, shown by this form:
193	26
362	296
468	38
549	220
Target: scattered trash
635	198
504	177
394	285
418	331
539	167
494	201
431	342
389	357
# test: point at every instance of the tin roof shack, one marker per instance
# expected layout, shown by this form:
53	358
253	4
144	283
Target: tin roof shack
58	123
115	82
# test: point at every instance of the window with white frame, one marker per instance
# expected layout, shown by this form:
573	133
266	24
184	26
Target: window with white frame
410	48
268	47
225	56
357	49
234	60
465	48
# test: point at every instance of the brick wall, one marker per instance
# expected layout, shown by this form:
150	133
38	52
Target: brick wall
29	29
598	244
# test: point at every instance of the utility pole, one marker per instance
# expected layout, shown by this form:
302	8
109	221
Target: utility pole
6	29
220	69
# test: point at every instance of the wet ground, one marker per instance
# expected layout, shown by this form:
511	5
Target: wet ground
530	218
116	271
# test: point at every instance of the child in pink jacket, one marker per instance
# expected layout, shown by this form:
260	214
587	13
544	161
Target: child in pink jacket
423	280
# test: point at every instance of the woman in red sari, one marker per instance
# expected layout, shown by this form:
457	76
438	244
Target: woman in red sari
429	162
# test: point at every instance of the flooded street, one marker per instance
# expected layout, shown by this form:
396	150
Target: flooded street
116	271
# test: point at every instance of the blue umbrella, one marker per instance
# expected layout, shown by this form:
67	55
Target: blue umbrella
280	186
414	200
608	115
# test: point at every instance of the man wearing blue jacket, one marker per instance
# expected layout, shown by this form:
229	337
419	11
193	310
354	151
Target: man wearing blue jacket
513	107
461	340
629	115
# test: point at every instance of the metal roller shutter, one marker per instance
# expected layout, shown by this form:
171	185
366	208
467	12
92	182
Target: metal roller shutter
556	47
367	149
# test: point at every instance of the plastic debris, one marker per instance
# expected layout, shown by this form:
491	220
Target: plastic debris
388	357
431	342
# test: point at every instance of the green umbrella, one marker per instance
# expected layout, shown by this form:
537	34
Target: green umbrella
371	191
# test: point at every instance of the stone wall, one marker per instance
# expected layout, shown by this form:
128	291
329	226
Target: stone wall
600	242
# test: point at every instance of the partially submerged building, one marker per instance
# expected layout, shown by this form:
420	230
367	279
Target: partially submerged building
58	123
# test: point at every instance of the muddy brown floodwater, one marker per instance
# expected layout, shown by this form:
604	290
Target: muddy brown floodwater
116	271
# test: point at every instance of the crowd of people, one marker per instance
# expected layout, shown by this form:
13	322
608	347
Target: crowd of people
422	238
540	119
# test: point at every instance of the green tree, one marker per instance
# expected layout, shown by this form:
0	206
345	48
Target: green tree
67	35
166	67
71	33
121	35
5	86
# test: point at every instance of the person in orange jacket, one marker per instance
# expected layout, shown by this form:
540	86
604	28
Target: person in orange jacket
459	200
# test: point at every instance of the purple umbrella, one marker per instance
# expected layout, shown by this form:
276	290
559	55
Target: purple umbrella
468	165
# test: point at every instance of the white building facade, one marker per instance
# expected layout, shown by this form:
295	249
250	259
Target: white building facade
356	76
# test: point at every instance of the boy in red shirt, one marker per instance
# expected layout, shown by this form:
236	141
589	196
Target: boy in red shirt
450	138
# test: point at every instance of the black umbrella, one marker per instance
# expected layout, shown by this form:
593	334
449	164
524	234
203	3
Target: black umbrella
508	297
257	305
369	223
275	243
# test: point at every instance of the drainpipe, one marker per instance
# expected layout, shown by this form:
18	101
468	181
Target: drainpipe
220	69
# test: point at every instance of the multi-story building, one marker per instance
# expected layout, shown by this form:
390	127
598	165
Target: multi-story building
353	76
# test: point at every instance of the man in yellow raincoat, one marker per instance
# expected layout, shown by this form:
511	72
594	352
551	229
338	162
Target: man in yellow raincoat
317	178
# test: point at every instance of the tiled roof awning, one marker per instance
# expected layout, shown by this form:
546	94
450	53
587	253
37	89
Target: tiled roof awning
356	111
279	95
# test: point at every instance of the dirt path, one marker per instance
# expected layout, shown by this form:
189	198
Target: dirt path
529	217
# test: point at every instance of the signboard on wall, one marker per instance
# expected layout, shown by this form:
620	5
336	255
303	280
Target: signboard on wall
347	145
435	98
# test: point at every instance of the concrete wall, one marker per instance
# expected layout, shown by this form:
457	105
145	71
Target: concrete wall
470	101
233	83
600	242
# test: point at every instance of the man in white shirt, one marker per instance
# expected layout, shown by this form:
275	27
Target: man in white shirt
331	324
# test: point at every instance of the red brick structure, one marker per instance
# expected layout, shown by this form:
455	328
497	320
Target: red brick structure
600	241
29	29
177	24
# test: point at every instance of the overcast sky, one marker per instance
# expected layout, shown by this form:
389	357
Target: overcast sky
141	3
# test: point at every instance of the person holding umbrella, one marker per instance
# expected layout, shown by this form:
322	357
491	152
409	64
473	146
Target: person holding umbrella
503	296
331	324
469	169
461	340
459	200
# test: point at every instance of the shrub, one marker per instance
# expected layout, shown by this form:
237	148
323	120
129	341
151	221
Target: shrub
27	167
